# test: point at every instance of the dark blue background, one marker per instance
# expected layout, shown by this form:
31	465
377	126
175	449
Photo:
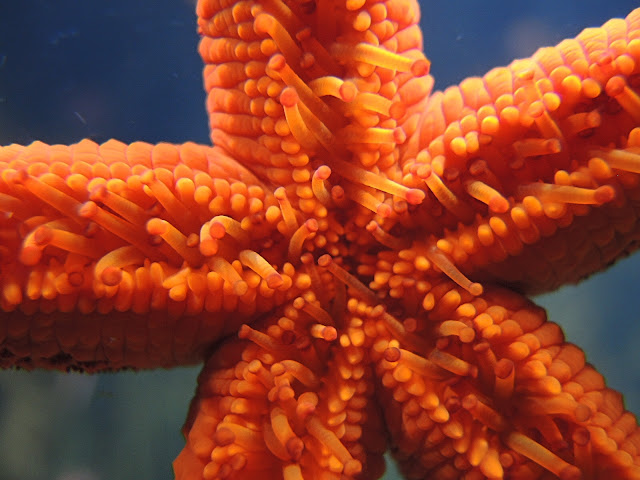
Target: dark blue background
129	69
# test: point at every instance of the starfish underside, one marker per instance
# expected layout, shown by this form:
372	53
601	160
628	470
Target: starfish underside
350	258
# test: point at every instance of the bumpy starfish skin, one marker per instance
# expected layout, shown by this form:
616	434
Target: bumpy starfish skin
337	256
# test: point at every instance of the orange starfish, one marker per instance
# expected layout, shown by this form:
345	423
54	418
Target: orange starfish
472	347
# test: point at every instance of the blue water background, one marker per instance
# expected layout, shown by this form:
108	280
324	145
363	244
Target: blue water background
129	69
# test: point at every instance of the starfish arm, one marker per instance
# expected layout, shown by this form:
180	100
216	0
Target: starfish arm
311	98
494	391
287	400
532	169
160	249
